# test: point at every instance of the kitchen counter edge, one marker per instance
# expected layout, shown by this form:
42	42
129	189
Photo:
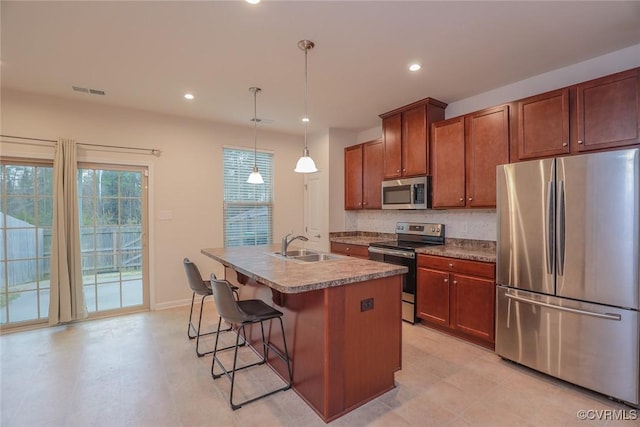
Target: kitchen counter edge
468	249
286	276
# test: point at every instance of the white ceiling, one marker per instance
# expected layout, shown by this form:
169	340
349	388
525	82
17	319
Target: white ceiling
146	55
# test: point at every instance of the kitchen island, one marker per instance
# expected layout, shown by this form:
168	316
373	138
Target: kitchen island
342	319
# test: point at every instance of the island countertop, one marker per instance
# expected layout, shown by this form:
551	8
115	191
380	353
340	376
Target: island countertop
290	276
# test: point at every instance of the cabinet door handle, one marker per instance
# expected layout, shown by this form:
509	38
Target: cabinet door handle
364	203
446	280
462	199
470	198
580	142
455	282
564	144
450	265
398	170
347	249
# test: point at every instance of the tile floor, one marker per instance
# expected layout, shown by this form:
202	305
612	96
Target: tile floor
141	370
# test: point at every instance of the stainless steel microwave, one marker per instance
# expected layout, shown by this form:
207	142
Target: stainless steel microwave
407	193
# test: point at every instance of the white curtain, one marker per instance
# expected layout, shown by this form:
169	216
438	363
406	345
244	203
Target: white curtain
66	301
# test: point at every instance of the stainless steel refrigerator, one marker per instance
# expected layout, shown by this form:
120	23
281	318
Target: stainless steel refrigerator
568	278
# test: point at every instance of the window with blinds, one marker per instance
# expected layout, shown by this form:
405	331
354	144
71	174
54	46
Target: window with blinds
248	208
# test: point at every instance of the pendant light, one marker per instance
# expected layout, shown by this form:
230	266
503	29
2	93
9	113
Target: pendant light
255	177
305	163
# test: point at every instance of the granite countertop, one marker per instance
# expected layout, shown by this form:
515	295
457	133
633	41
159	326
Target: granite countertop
474	250
361	238
291	276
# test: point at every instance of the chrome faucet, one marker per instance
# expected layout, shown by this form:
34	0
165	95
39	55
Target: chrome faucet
286	242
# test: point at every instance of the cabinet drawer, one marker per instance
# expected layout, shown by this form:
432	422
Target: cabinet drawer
454	265
350	250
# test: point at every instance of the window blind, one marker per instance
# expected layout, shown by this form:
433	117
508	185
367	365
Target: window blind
248	208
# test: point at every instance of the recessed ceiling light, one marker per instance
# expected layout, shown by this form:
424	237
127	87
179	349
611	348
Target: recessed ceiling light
415	67
253	1
188	96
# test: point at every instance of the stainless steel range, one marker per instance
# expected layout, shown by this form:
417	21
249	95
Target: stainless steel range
411	236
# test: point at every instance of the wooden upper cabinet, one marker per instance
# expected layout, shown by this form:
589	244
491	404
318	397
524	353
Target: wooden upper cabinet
607	112
372	174
448	163
600	114
363	174
543	125
405	134
487	146
465	152
414	141
353	177
392	137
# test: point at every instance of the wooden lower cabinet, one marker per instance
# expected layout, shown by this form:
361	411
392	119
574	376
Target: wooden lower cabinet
458	297
358	251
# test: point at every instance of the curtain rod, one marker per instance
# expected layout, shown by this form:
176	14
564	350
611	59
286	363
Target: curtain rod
153	151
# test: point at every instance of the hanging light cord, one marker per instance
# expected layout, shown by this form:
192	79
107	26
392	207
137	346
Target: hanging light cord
255	128
306	115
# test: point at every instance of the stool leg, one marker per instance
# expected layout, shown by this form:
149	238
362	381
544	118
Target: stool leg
286	353
199	325
190	325
265	347
233	373
215	351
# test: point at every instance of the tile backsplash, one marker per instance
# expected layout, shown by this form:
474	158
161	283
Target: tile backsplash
477	224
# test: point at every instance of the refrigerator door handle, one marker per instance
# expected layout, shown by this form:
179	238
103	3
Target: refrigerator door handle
608	316
561	228
549	225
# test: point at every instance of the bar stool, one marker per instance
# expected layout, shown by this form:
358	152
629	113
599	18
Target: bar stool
243	313
203	288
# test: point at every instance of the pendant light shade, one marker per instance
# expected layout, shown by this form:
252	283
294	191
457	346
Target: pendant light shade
255	177
305	163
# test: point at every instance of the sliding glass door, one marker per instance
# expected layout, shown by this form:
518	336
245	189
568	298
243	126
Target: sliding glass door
113	224
26	213
113	237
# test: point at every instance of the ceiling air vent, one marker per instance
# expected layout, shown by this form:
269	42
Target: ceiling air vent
87	90
259	120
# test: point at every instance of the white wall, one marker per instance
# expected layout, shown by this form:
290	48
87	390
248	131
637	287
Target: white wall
338	140
327	150
186	180
481	224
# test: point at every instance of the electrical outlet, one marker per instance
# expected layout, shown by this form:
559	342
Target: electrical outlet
366	304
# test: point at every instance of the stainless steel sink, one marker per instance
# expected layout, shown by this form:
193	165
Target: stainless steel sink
316	257
299	252
305	255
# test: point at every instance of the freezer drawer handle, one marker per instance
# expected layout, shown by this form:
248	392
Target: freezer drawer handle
608	316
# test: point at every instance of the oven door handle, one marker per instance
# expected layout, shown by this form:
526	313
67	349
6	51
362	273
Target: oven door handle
394	252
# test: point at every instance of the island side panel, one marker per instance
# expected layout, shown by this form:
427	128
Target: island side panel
373	342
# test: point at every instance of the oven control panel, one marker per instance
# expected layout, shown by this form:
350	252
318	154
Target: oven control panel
422	229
